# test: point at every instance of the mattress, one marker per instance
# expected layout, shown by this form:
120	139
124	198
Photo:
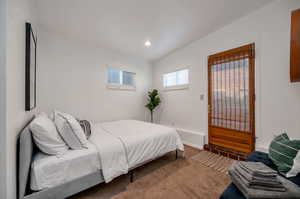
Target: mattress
50	171
144	141
127	144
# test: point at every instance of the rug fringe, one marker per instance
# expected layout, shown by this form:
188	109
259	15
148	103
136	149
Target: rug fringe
215	161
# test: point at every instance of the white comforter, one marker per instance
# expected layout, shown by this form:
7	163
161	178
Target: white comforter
126	144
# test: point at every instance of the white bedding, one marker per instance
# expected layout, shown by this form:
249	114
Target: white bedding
50	171
141	142
113	148
111	152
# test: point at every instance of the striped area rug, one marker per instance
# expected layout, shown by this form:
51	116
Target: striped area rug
217	162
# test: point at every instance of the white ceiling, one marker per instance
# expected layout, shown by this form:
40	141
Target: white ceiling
125	25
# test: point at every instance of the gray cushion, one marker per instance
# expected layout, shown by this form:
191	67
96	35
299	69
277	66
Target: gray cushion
86	126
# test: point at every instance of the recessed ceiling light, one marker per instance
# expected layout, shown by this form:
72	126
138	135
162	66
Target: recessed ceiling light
148	43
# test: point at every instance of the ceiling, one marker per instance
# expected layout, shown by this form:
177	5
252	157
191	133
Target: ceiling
125	25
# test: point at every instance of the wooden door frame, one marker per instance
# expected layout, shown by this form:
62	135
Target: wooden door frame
249	47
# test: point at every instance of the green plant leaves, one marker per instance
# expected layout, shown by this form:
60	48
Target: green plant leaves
153	100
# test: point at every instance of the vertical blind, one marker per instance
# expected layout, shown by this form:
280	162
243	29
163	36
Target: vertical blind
128	78
229	89
113	76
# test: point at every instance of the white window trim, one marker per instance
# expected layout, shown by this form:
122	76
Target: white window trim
120	87
176	87
177	69
124	87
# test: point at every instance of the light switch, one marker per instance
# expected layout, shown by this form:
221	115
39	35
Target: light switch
202	97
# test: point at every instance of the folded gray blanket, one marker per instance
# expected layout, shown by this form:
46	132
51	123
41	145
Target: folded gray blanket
292	190
243	181
257	169
254	180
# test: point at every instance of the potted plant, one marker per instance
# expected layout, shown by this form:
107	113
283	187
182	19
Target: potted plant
153	101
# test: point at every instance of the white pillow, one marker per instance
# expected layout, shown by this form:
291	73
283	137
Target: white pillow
296	167
70	130
46	136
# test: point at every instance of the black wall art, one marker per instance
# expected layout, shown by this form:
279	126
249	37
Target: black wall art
30	68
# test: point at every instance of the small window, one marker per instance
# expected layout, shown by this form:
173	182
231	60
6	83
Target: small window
118	79
128	78
178	79
114	76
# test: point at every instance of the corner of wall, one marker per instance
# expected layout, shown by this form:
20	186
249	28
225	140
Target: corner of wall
3	49
18	13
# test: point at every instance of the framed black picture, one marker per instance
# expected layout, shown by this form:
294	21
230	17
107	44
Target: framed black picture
30	68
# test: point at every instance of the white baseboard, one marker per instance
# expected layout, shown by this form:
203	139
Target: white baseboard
198	139
192	145
262	149
192	138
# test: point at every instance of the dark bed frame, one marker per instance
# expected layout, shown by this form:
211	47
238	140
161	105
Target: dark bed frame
27	150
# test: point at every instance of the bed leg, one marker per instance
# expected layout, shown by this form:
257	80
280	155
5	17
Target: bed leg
131	176
176	154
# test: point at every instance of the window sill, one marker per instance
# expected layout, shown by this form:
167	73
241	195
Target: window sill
120	87
179	87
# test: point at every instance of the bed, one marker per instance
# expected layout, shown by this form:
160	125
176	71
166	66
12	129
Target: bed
115	148
51	171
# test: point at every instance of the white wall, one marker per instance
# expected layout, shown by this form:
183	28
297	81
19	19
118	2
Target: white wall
278	101
70	78
19	11
72	75
3	12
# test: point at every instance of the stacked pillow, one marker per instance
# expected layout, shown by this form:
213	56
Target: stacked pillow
56	135
70	130
46	136
285	154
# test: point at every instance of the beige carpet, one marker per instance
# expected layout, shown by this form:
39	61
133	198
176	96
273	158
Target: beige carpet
165	178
